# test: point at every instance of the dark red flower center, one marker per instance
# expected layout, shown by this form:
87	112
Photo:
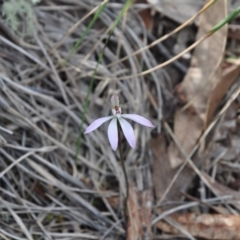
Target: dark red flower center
117	110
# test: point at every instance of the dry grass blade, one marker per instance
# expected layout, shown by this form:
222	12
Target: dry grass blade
45	192
44	149
24	52
167	35
18	221
177	10
76	25
221	190
179	227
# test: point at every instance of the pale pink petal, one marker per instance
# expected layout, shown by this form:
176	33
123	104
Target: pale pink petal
138	119
113	134
128	132
97	123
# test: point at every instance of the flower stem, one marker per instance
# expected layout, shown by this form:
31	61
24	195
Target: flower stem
125	175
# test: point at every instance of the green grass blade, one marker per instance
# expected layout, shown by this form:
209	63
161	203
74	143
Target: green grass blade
94	19
83	118
226	20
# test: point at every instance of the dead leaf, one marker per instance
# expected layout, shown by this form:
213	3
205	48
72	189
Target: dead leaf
146	16
163	173
134	223
187	130
199	83
230	75
207	226
139	220
140	206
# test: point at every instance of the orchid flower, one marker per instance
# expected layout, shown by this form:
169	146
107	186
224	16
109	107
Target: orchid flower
113	128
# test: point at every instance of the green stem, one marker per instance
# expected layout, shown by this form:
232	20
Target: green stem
84	34
229	18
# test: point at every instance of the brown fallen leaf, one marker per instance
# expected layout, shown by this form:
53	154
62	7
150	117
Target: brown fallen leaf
139	215
146	16
199	83
134	223
207	226
140	206
187	130
230	75
163	173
